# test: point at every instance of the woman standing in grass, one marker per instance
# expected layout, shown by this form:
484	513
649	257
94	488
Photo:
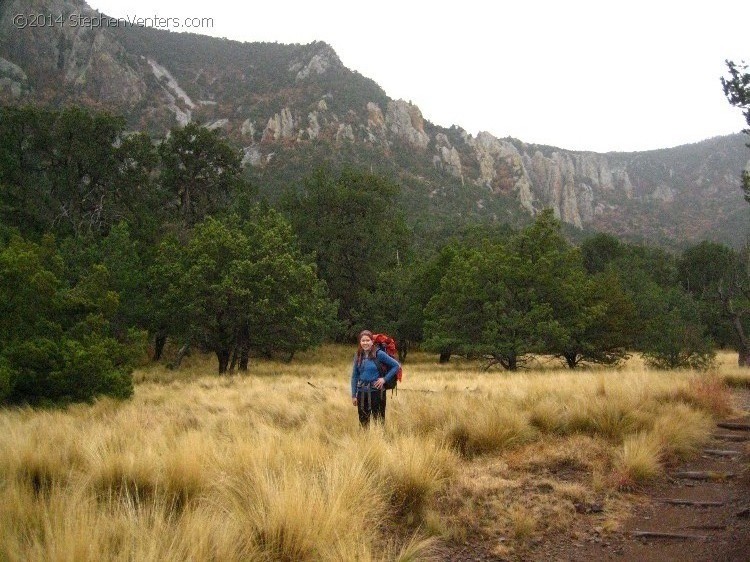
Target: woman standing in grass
368	380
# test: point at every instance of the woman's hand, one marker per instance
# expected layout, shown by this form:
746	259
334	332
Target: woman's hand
379	383
354	400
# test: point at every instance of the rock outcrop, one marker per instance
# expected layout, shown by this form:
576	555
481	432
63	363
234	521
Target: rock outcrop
13	80
405	121
86	59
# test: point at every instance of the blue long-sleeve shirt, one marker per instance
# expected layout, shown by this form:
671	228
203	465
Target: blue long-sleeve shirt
368	371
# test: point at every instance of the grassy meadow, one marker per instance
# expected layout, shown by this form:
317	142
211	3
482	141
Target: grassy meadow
272	466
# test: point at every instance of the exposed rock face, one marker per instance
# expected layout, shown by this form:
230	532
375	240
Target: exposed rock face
313	129
447	157
248	129
13	80
319	63
406	122
218	124
280	127
501	168
178	101
251	156
84	58
344	133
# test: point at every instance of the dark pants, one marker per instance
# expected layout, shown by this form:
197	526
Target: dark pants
371	405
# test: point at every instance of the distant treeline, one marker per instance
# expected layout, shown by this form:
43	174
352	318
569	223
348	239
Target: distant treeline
113	243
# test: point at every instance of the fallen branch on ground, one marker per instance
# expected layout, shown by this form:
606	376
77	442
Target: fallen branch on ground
660	535
675	501
701	475
732	425
736	438
721	452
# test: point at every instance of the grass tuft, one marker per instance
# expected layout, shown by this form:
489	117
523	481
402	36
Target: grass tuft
638	461
488	428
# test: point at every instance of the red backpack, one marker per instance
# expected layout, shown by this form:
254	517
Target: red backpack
388	344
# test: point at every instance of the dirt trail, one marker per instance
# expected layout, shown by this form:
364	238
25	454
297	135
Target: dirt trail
698	512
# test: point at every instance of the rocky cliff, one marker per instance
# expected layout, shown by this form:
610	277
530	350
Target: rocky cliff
281	101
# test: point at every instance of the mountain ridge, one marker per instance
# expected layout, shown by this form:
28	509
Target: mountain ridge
291	107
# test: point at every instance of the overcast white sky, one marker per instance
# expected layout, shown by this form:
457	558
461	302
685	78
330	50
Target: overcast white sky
580	75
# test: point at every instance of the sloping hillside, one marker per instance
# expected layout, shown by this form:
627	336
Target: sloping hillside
293	107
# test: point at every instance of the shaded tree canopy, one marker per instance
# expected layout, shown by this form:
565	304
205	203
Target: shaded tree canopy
350	221
237	288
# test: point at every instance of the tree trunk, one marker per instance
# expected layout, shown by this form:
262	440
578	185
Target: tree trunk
243	344
743	353
184	350
244	359
159	342
233	362
223	356
403	351
445	356
511	362
571	358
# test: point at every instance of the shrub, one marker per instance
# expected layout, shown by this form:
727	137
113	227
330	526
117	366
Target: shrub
56	339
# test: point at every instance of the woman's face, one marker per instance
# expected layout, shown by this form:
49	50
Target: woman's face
365	343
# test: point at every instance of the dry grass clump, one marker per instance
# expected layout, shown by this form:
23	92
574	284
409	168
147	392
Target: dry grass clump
708	393
736	377
681	430
415	469
289	515
605	416
488	429
523	522
639	460
730	372
575	454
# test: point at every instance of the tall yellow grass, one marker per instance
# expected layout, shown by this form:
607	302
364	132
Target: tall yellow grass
273	465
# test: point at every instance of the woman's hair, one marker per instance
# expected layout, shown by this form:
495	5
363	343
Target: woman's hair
361	355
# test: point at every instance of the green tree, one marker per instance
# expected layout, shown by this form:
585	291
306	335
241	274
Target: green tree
591	312
488	305
674	336
138	199
199	171
596	320
57	340
598	251
351	223
737	90
397	305
25	159
734	295
704	271
734	292
75	172
531	295
127	261
244	288
82	165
